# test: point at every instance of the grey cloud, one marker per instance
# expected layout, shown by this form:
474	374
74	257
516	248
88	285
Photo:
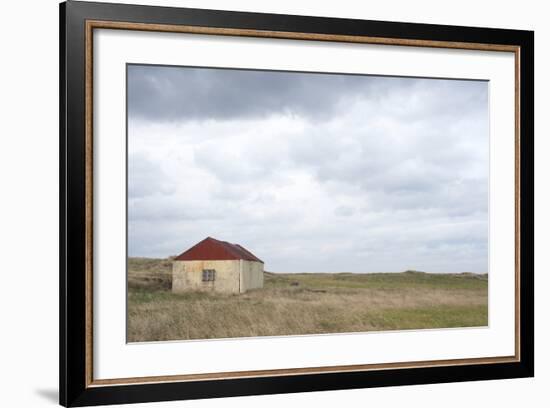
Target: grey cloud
176	93
228	166
344	211
173	93
147	177
386	172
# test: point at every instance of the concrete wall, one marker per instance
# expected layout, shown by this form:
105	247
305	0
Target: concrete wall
236	276
252	275
187	275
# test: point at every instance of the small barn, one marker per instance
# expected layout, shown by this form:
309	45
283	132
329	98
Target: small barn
217	266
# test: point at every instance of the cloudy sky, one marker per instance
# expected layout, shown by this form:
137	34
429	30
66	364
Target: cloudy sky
311	172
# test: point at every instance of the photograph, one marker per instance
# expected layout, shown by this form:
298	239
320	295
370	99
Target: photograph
255	203
285	203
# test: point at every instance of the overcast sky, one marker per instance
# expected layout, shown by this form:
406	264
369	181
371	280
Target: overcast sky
310	172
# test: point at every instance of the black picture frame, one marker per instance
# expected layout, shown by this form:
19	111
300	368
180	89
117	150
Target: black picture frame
74	299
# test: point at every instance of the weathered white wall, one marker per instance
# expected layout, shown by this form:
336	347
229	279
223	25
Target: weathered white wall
252	275
236	276
187	275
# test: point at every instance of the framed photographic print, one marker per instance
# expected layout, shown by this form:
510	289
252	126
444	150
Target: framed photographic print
256	203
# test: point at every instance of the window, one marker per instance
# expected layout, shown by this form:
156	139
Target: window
208	275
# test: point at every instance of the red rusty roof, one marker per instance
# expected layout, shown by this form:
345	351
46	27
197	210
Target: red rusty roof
211	249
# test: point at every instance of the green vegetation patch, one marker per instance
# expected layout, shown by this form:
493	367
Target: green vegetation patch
440	316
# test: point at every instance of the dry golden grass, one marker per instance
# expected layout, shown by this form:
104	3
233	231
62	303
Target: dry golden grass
293	304
149	273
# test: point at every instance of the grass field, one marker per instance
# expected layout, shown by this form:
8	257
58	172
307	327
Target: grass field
308	303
